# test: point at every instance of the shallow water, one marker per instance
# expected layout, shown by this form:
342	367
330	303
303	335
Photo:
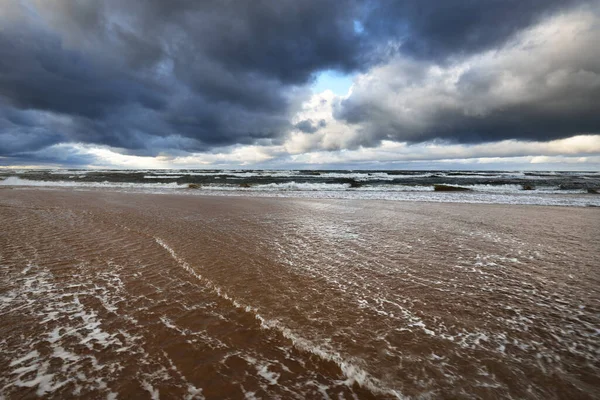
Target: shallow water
126	295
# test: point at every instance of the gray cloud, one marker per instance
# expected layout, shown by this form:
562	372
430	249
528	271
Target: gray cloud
310	126
150	77
434	29
36	73
139	75
543	84
22	131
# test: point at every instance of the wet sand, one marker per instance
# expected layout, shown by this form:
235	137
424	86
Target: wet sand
120	295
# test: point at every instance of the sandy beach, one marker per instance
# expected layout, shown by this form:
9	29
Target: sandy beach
106	294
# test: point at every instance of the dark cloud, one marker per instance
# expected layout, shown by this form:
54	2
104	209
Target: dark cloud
137	75
435	29
182	75
287	40
37	73
543	84
52	155
22	131
518	121
310	126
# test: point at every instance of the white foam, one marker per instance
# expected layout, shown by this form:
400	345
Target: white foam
44	383
359	176
513	188
31	355
154	395
481	194
296	186
262	368
40	295
237	174
71	172
15	181
163	176
352	372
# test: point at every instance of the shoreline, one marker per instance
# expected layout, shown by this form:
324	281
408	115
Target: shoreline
467	198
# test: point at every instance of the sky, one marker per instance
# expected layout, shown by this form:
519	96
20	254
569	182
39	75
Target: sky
318	84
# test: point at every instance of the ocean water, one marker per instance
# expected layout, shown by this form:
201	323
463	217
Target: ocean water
110	294
492	187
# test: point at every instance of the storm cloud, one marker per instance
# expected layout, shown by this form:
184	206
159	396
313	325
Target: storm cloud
157	77
434	29
543	84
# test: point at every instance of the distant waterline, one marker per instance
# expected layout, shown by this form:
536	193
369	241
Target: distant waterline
496	187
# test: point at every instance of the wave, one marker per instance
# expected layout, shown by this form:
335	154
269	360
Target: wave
514	188
290	186
163	176
236	174
359	176
352	372
286	186
479	193
15	181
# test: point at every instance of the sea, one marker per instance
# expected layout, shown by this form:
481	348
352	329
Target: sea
558	188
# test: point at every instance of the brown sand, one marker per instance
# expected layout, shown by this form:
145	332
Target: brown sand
134	295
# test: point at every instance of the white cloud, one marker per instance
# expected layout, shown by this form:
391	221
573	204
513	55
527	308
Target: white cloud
389	151
335	135
579	150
